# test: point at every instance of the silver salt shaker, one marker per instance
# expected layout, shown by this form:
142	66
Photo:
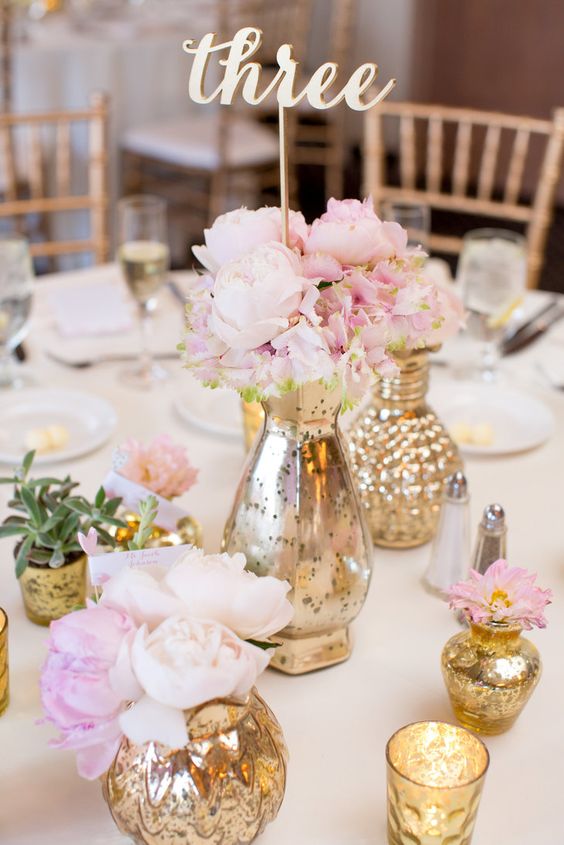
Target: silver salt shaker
450	552
491	541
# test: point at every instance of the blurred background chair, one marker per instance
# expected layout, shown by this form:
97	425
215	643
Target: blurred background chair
451	160
320	136
220	158
53	165
6	9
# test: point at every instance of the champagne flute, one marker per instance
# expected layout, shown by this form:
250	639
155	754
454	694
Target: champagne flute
144	258
16	285
414	217
493	274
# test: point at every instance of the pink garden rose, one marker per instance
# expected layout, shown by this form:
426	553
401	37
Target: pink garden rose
255	296
239	232
160	466
182	664
219	587
76	691
351	232
502	594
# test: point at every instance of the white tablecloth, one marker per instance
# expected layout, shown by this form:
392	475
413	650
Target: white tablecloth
337	721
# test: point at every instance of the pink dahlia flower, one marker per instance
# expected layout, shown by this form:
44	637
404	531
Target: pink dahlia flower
160	466
503	594
76	692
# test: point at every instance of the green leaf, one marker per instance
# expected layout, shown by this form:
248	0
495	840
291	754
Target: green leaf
27	462
43	482
100	498
40	556
263	644
110	520
323	285
31	505
21	560
46	541
12	530
107	538
8	480
78	505
111	506
57	558
70	526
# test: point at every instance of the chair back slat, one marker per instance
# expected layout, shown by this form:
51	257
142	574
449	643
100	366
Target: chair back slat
63	159
516	165
43	187
462	158
407	145
489	162
434	153
478	177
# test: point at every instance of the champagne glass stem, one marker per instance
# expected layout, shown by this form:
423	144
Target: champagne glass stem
6	367
490	358
146	356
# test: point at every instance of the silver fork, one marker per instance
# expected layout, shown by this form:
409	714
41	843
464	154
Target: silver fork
84	363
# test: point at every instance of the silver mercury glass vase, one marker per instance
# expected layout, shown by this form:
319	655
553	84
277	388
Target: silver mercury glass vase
296	516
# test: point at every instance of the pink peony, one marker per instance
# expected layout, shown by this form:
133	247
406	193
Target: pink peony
76	692
351	232
180	665
160	466
255	296
504	595
239	232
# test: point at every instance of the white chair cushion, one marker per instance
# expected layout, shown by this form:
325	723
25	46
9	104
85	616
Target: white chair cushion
193	142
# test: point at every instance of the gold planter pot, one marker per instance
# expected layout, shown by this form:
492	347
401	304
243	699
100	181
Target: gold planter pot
490	672
296	516
222	788
49	593
401	456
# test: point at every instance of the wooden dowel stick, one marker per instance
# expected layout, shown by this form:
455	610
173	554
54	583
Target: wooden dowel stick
284	189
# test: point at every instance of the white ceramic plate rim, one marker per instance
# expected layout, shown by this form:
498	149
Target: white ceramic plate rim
96	406
210	426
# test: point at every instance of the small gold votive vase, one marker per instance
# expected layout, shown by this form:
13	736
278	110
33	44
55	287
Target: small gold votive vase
490	672
188	532
435	777
4	676
49	593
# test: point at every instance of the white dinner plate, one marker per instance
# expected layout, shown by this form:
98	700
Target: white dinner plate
518	421
216	411
88	419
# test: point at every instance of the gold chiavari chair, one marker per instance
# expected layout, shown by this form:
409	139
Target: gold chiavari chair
6	10
216	157
320	137
42	148
471	162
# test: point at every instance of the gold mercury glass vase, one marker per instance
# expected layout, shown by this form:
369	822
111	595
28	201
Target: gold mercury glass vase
253	419
490	672
188	531
401	456
296	516
222	788
49	593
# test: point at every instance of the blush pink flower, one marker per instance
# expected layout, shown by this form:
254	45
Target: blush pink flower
506	595
159	465
76	692
352	233
239	232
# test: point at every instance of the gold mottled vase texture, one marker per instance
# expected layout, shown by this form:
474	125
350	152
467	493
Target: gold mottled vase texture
4	671
297	517
49	593
490	672
222	788
401	456
435	777
253	419
188	530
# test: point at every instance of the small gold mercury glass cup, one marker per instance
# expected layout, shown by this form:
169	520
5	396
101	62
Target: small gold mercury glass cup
435	776
4	687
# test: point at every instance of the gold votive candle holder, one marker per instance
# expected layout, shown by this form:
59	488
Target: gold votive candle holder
435	777
4	685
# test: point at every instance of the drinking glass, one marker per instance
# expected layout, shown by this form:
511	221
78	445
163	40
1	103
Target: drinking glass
414	217
492	272
16	286
144	258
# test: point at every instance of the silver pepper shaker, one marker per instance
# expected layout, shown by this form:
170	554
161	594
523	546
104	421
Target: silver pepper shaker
491	541
450	552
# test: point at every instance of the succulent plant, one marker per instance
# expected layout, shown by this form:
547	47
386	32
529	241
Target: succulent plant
49	514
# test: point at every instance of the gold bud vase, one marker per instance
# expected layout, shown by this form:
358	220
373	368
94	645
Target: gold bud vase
49	593
222	788
296	516
490	672
401	455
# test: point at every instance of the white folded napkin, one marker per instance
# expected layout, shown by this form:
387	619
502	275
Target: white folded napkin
96	309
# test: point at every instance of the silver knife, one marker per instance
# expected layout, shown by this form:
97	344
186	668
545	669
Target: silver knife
534	330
